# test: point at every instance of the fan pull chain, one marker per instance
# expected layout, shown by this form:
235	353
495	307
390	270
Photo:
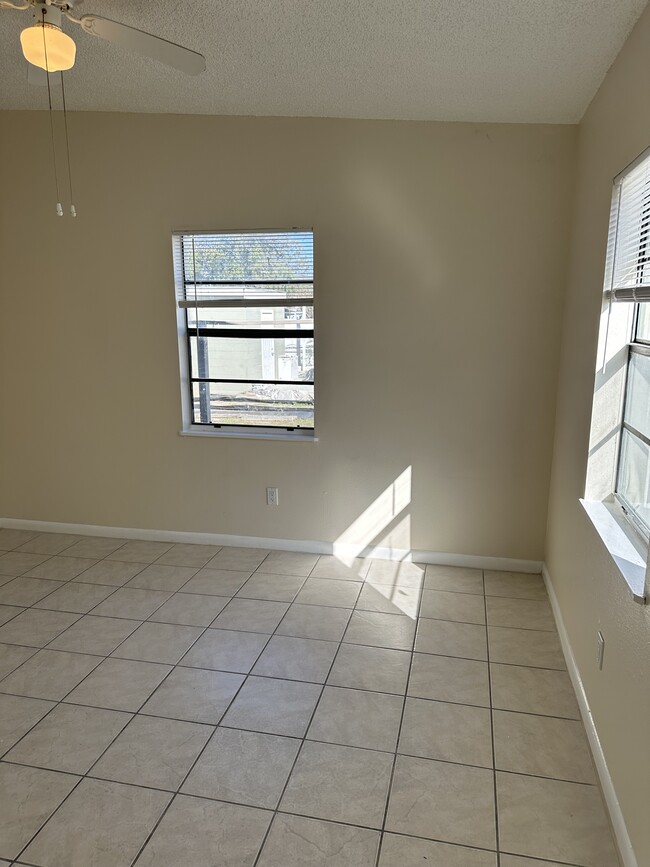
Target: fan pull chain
59	206
73	210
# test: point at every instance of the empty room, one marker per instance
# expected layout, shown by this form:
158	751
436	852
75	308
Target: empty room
324	433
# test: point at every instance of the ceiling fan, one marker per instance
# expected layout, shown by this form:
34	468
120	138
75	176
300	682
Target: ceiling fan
47	47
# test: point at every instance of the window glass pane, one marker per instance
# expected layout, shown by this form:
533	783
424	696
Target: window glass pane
634	475
643	323
254	404
252	317
637	401
248	358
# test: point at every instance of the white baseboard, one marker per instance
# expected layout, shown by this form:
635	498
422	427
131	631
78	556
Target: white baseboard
607	785
307	546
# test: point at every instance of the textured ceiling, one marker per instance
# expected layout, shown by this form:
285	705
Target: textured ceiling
471	60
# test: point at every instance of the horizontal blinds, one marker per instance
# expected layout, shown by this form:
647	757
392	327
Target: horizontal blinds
239	269
630	270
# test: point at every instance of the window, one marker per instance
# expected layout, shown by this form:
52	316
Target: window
246	331
629	276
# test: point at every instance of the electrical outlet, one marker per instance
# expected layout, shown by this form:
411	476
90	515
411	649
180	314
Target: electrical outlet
600	649
272	497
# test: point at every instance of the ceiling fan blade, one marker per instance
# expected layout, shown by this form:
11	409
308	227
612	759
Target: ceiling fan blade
144	43
38	76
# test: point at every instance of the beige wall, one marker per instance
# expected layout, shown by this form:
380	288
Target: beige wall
591	593
440	266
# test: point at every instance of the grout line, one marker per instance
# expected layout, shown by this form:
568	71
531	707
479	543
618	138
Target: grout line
399	733
298	754
494	762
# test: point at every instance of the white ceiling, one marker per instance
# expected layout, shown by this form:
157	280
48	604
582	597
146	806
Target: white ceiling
461	60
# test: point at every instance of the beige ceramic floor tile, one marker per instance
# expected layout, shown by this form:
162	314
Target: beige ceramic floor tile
295	841
226	650
36	628
554	820
194	695
216	582
61	568
27	591
516	585
443	637
542	746
375	668
10	539
519	613
456	579
69	739
189	609
49	674
354	789
158	642
120	684
153	752
98	635
251	615
157	577
315	621
296	659
48	543
112	573
100	825
448	732
459	607
329	592
389	600
395	631
445	678
94	546
537	649
290	563
131	604
78	598
271	587
243	767
17	715
332	567
28	796
7	612
442	801
11	656
280	707
139	552
243	559
188	555
196	833
398	851
396	574
533	690
15	563
357	718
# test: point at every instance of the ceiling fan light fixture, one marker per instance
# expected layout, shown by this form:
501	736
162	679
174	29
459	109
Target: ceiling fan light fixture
47	46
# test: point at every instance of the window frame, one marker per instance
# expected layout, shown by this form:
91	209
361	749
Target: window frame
636	346
186	331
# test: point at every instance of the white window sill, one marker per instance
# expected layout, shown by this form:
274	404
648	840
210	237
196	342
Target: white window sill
286	436
625	549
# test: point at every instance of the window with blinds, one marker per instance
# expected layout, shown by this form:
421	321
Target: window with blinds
246	311
628	275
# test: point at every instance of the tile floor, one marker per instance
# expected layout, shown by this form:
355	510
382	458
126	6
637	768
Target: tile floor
165	705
